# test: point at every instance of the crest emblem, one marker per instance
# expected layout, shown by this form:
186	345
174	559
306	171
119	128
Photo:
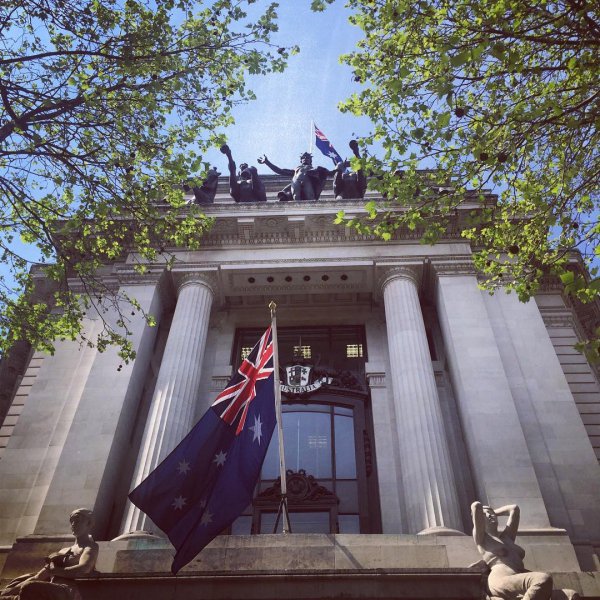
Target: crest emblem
298	375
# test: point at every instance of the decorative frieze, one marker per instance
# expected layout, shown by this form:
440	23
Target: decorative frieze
558	320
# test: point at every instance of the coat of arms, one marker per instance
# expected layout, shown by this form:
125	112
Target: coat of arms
300	380
298	375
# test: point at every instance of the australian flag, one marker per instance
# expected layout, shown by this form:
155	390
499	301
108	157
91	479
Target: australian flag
324	145
209	479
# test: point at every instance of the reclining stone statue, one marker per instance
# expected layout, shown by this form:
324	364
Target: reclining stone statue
349	184
245	186
55	580
307	181
508	578
205	194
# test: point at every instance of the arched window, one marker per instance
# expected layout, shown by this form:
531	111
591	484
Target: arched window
319	442
328	446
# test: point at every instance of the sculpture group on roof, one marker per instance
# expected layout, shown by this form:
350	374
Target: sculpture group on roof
307	181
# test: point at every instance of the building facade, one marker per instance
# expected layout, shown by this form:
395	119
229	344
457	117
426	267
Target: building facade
408	393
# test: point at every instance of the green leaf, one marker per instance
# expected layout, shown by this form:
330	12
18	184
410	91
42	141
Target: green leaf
458	60
105	139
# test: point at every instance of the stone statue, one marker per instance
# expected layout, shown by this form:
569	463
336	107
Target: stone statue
349	184
508	578
205	194
55	580
246	186
307	181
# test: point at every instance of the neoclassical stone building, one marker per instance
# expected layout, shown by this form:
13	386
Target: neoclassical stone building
408	394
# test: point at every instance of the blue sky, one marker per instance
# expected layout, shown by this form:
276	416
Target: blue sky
278	122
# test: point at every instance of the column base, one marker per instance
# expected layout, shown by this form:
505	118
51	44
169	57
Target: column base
440	530
139	534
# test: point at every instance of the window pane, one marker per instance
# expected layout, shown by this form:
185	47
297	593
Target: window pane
270	468
302	352
347	492
334	344
300	522
345	452
305	407
307	439
349	523
354	350
241	526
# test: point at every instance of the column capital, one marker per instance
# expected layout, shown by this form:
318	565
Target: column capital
128	275
406	272
206	278
456	265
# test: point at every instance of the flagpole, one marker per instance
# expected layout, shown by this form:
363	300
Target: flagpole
311	137
282	470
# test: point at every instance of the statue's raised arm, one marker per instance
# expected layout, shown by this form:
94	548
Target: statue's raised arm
263	160
349	184
307	181
508	578
478	517
246	185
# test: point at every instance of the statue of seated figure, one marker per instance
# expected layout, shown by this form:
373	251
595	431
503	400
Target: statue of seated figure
349	184
307	181
508	578
245	186
55	580
205	194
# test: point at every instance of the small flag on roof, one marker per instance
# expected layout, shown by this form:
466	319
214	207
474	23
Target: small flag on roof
324	145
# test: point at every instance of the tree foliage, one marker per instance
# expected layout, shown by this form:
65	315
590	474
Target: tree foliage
488	94
105	106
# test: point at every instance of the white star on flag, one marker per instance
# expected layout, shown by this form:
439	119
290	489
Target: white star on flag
179	503
206	518
257	429
184	467
220	458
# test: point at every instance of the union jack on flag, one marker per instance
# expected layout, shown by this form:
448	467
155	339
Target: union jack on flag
233	402
325	146
208	479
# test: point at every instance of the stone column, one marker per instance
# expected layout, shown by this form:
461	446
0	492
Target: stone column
427	478
177	385
502	467
559	446
88	430
385	438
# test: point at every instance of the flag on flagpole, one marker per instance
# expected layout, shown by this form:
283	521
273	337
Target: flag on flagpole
324	145
208	480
